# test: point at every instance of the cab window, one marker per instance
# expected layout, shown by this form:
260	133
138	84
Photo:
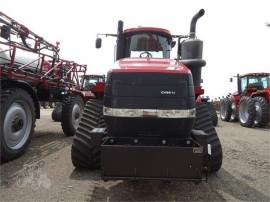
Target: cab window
149	44
243	83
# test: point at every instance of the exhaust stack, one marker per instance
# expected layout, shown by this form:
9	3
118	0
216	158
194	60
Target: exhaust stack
192	32
192	50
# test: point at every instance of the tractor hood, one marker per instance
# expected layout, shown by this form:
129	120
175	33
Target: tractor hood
150	65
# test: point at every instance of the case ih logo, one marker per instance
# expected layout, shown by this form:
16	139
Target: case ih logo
167	92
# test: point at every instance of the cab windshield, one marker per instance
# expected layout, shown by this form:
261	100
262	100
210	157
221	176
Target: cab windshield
151	44
260	81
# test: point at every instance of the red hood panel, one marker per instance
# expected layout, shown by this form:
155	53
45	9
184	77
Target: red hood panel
150	65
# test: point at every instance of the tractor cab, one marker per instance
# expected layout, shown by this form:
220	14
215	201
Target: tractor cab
95	84
147	42
255	82
252	82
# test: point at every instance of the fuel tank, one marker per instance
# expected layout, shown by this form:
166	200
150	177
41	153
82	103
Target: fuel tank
149	97
22	57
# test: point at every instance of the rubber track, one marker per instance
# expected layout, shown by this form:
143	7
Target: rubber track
213	113
203	122
84	152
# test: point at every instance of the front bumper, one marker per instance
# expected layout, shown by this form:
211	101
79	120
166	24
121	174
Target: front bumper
153	159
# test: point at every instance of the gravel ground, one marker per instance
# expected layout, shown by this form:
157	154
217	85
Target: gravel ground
45	172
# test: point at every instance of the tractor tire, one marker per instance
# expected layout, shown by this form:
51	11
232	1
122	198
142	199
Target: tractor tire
262	111
45	105
72	108
85	152
17	122
247	111
52	105
225	109
235	115
213	113
57	112
203	122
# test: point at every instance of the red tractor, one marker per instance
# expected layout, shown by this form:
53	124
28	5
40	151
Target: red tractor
151	123
31	72
250	104
95	84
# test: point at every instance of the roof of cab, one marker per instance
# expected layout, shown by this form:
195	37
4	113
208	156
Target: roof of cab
256	74
143	29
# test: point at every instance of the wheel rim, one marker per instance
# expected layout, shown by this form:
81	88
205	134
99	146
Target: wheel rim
233	117
223	110
243	112
76	114
258	115
17	125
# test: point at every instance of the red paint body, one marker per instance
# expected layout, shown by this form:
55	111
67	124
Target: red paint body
147	29
99	87
151	65
156	65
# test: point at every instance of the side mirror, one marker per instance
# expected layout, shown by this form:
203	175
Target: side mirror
98	42
173	44
5	32
231	79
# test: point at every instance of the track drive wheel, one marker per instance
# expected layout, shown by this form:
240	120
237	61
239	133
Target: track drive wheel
57	112
247	111
225	109
85	150
17	122
262	111
203	122
72	108
213	113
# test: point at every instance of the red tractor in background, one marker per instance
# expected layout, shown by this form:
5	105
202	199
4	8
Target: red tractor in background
251	103
31	72
95	84
151	123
